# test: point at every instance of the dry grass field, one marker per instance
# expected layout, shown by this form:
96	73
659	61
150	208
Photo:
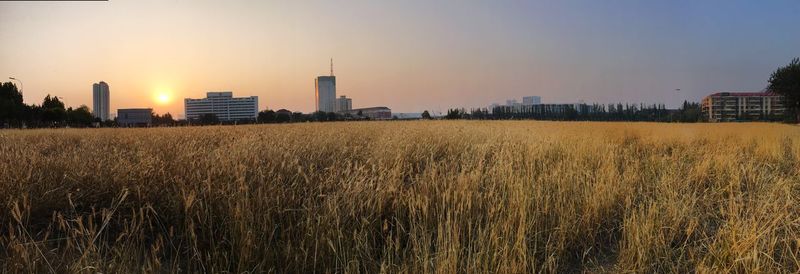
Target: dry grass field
403	197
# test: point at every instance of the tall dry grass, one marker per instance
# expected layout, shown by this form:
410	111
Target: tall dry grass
408	197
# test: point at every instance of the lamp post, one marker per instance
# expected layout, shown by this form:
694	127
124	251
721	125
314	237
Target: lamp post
20	84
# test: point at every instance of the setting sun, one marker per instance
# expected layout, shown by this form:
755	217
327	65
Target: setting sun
162	97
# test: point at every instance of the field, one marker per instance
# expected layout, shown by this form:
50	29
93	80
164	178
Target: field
408	197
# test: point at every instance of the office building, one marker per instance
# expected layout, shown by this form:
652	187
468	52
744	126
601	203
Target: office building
743	106
343	104
223	105
326	93
100	102
377	113
531	100
139	117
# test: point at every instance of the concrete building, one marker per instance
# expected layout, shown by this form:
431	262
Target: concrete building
343	104
100	101
140	117
742	106
531	100
326	93
223	105
377	113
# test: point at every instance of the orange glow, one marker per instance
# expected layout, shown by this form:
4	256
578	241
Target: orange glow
163	97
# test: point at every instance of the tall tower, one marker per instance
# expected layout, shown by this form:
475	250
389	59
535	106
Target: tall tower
325	92
100	106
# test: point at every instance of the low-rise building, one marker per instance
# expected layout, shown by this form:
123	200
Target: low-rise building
377	113
135	117
743	106
223	105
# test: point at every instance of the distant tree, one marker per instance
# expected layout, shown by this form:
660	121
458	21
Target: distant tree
360	114
266	116
454	114
426	115
12	110
167	119
162	120
53	112
299	117
80	117
332	116
786	81
319	116
208	119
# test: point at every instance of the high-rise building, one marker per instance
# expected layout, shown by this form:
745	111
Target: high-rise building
223	105
326	93
344	104
531	100
100	102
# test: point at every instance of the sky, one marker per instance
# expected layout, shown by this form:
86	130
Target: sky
407	55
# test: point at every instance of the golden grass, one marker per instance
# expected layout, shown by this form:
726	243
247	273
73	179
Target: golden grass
408	197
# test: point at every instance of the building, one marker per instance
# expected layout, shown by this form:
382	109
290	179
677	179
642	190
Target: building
531	100
343	104
100	102
408	116
140	117
742	106
512	102
326	93
223	105
377	113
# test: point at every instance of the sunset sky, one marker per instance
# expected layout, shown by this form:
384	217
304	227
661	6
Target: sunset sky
407	55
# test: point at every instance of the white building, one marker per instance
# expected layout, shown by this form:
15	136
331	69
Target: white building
326	93
223	105
343	104
531	100
100	106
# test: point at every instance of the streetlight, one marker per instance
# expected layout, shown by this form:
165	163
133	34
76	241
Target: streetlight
20	84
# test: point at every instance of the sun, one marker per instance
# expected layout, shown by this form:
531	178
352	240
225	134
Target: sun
162	97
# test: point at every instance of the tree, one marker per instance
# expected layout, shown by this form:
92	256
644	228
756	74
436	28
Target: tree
454	114
332	116
266	116
81	116
786	81
209	119
53	111
426	115
11	107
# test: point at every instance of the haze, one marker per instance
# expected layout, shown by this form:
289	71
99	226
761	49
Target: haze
407	55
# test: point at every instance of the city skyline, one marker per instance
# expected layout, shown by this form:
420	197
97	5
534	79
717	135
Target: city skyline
410	56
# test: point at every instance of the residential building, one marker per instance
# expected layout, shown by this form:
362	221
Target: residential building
100	102
326	93
223	105
128	117
743	106
343	104
377	113
531	100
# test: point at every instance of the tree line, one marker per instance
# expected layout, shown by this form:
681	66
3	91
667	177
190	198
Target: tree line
50	113
689	112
